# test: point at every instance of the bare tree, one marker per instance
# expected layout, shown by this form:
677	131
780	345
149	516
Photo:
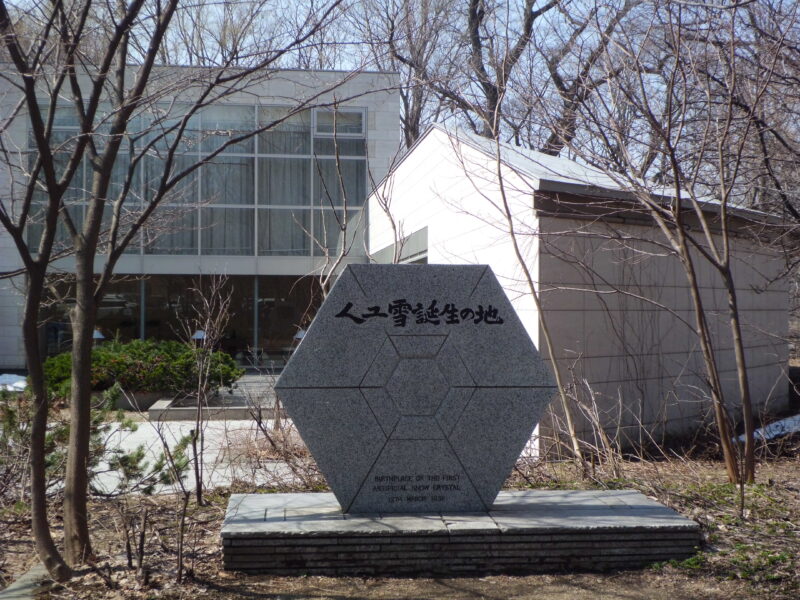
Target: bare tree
515	71
203	331
336	237
403	33
685	125
494	41
572	66
99	64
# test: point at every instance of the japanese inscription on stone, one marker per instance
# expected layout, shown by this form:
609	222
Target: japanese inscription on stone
402	311
416	387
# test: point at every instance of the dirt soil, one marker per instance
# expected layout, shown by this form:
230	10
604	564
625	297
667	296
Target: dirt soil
749	554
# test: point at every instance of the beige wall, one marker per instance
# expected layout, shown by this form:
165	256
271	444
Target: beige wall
621	317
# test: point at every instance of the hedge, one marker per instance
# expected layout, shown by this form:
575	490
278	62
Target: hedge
143	366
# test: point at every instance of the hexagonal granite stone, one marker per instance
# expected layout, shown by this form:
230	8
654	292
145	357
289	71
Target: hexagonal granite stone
416	388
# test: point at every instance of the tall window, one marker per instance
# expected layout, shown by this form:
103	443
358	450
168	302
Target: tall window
294	190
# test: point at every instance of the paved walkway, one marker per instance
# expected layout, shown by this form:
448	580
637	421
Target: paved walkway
231	452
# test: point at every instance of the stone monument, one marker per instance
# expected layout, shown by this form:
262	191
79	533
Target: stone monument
416	388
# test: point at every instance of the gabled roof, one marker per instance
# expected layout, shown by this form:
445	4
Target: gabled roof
546	172
551	173
555	174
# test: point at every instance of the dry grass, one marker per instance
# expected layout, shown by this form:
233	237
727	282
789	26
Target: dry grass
754	554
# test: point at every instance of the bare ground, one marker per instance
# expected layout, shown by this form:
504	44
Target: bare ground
749	554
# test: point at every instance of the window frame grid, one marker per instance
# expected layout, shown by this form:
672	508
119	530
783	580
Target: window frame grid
139	245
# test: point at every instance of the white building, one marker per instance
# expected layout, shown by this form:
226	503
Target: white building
260	213
615	299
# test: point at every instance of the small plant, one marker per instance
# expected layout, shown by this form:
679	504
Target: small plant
698	561
753	563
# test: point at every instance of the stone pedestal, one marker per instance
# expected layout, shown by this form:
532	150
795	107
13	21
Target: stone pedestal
523	532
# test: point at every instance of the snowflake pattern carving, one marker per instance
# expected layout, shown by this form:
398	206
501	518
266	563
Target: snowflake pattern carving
427	417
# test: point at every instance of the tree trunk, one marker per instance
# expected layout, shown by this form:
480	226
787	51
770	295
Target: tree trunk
704	337
77	542
45	547
749	467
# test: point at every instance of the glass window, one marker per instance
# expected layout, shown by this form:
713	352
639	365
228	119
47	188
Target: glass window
104	119
285	305
171	301
35	226
222	123
163	123
340	122
183	192
168	301
118	315
228	180
199	213
292	135
330	227
237	338
128	214
340	183
77	187
171	230
227	231
65	115
284	232
328	146
284	181
61	140
119	175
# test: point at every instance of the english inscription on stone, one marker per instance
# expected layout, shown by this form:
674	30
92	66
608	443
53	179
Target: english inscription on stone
416	388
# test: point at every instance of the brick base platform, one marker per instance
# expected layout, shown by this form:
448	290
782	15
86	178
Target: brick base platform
525	532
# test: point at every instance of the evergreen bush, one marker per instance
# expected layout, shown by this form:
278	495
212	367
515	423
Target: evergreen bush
144	366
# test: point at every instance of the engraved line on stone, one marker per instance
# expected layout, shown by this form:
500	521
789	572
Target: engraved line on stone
485	268
444	435
358	283
369	387
389	378
461	412
391	341
414	335
397	408
372	465
465	471
438	406
518	387
371	364
453	348
435	366
374	416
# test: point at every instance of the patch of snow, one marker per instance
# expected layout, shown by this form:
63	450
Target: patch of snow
12	383
777	429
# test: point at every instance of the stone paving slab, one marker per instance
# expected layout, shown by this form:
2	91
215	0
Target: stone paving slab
526	531
29	585
257	515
